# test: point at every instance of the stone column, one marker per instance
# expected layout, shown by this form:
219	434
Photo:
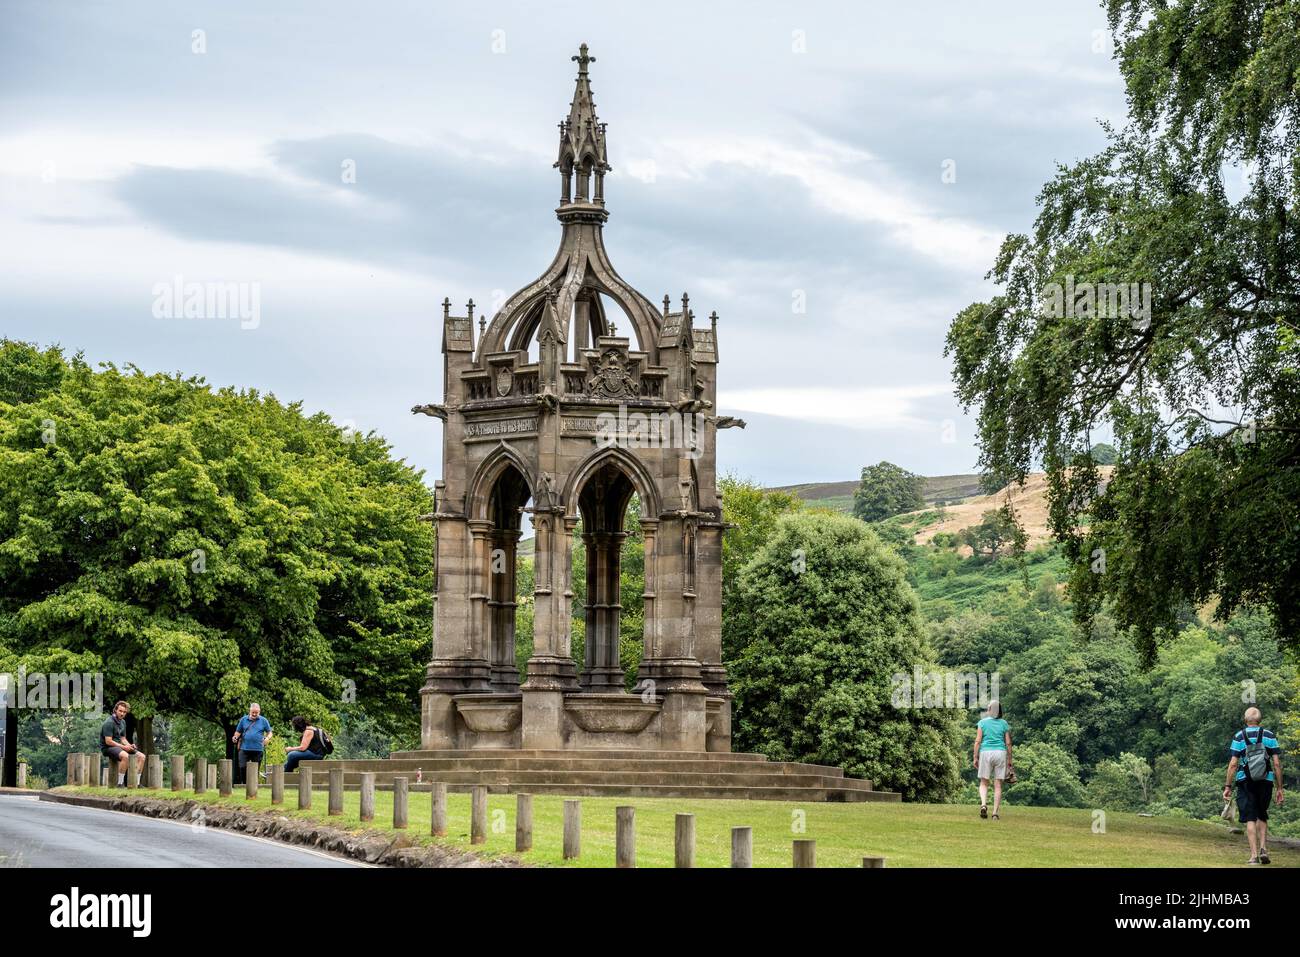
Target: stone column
673	668
603	673
551	672
455	667
501	604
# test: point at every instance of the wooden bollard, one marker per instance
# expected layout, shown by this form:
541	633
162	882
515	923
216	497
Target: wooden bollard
178	772
572	830
277	784
742	847
438	809
684	841
153	768
625	836
401	802
22	774
336	791
873	862
252	774
189	780
478	814
132	771
304	786
108	776
83	771
225	777
212	777
200	775
805	853
367	795
523	822
72	769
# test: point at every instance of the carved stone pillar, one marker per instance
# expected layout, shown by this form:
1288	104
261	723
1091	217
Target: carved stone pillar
501	607
602	672
551	671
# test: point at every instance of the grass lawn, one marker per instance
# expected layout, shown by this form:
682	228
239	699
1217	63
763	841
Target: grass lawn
909	835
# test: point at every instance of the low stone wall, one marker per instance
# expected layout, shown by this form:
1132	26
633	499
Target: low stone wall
373	847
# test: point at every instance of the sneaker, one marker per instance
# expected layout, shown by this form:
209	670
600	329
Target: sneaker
984	810
1263	857
996	818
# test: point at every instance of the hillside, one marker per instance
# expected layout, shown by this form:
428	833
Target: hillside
839	495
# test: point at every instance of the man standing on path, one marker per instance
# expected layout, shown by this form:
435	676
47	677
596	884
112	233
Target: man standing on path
250	737
1250	753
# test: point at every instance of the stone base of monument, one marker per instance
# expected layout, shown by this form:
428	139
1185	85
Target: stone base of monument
612	773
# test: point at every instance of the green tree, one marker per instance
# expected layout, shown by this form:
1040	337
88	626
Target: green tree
1046	776
751	513
205	547
831	620
995	531
1103	453
885	490
1192	209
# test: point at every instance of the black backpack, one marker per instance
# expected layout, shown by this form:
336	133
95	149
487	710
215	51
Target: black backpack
326	745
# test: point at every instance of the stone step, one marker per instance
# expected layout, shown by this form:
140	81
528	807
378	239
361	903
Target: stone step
713	756
526	780
702	792
490	762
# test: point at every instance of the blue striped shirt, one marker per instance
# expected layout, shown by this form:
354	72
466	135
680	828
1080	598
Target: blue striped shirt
1237	749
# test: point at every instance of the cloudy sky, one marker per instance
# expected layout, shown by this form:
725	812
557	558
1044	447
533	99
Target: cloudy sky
765	154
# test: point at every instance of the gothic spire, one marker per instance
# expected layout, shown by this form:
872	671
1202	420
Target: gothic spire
582	159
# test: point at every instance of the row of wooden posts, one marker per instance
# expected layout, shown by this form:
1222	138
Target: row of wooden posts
220	777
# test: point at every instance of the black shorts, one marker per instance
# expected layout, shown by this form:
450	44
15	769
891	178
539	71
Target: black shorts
1252	799
115	753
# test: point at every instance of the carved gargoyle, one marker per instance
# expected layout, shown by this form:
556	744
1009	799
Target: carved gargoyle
692	406
431	409
547	399
729	422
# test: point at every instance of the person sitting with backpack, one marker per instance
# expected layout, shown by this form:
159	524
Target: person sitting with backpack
1249	755
315	744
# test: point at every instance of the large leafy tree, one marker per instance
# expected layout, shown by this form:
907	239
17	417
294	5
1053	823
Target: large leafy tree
206	547
830	620
1195	200
887	489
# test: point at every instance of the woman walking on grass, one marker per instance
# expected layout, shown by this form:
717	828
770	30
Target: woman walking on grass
992	757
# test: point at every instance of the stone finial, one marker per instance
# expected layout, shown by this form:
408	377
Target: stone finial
686	305
470	307
582	59
667	301
446	307
713	322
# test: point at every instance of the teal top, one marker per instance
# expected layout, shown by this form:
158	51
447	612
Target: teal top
994	730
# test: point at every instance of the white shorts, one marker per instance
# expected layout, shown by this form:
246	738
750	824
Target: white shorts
993	764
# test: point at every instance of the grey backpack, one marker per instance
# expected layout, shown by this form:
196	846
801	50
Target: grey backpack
1255	759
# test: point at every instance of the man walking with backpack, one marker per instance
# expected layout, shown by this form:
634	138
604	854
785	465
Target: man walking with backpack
1250	754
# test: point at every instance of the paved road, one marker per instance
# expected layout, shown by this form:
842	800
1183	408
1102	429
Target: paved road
43	834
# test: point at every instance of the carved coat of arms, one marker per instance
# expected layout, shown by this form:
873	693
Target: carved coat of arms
504	381
611	379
